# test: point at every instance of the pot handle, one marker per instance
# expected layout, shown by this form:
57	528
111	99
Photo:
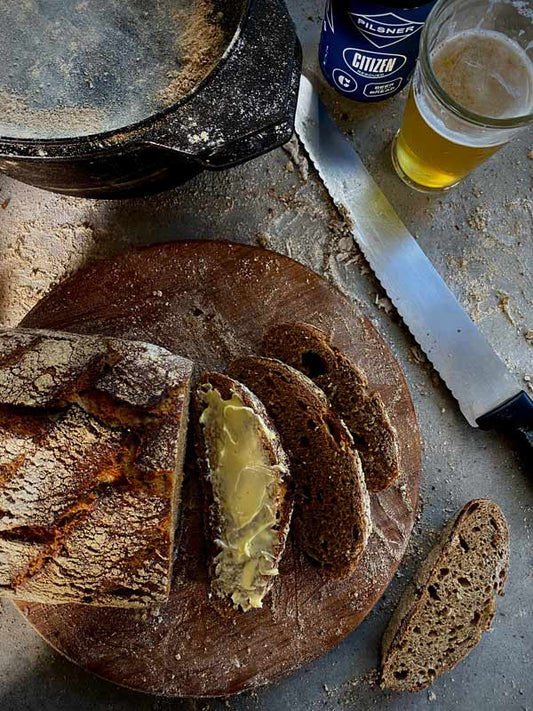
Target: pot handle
246	106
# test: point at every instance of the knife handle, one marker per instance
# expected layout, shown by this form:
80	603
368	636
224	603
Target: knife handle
516	417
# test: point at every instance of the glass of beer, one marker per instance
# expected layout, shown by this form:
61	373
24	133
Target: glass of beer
472	90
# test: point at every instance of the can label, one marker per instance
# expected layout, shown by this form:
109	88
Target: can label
367	50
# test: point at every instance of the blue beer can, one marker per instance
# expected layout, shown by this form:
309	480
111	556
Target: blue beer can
368	51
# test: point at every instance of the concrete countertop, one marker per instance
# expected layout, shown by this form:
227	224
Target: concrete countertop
480	238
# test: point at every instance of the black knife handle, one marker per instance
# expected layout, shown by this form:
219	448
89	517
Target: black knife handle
514	416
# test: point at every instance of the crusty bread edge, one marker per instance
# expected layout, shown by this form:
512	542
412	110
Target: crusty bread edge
414	592
227	386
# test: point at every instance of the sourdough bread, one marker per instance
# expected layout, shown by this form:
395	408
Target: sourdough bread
332	512
309	350
443	613
246	484
92	438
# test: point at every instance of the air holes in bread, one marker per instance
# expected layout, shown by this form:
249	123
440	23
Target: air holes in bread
313	365
432	590
333	430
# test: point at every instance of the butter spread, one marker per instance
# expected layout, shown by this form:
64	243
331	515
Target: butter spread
244	486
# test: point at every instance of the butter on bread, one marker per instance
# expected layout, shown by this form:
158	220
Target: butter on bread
246	483
92	440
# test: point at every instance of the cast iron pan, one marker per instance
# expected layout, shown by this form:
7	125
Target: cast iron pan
244	107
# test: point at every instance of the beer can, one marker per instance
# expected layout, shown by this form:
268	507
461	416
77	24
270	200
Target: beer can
368	50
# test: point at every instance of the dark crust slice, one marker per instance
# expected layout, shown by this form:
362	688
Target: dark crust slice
212	512
310	351
443	613
332	513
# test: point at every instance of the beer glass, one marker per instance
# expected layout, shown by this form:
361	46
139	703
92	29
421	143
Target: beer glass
472	90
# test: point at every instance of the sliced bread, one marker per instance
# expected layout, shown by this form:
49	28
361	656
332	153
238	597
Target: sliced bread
246	482
332	512
309	350
451	602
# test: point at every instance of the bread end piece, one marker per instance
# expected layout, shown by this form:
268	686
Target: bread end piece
92	439
247	493
444	611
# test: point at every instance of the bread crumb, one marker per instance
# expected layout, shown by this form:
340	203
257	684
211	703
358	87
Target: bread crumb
432	696
504	306
298	160
418	354
383	303
478	219
263	240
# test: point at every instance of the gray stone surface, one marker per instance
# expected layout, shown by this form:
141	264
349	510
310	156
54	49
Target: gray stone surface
480	238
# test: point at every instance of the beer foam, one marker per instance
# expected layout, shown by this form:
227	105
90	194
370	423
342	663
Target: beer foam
486	72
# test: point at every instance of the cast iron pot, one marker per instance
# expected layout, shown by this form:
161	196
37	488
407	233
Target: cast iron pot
243	108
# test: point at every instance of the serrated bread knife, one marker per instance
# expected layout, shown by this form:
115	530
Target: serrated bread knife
487	393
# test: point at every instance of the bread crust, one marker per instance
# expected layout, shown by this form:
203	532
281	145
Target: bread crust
332	509
309	350
92	439
213	515
416	594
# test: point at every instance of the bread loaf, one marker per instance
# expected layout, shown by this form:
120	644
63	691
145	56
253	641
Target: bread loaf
451	602
92	439
246	479
309	350
332	511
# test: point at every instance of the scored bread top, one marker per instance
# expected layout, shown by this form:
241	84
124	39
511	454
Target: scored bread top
246	482
332	511
309	350
92	435
442	614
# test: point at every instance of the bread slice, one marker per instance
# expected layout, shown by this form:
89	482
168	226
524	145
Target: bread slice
332	512
246	478
92	439
309	350
451	602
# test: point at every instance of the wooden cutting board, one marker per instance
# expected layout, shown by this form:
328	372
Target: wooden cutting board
212	301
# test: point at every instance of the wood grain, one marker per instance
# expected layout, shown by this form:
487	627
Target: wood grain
212	301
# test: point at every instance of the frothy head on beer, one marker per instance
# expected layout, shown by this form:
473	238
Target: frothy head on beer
485	72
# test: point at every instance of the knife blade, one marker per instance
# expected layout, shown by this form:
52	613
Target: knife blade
487	393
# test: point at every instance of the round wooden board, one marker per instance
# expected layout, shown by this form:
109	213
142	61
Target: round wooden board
212	301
